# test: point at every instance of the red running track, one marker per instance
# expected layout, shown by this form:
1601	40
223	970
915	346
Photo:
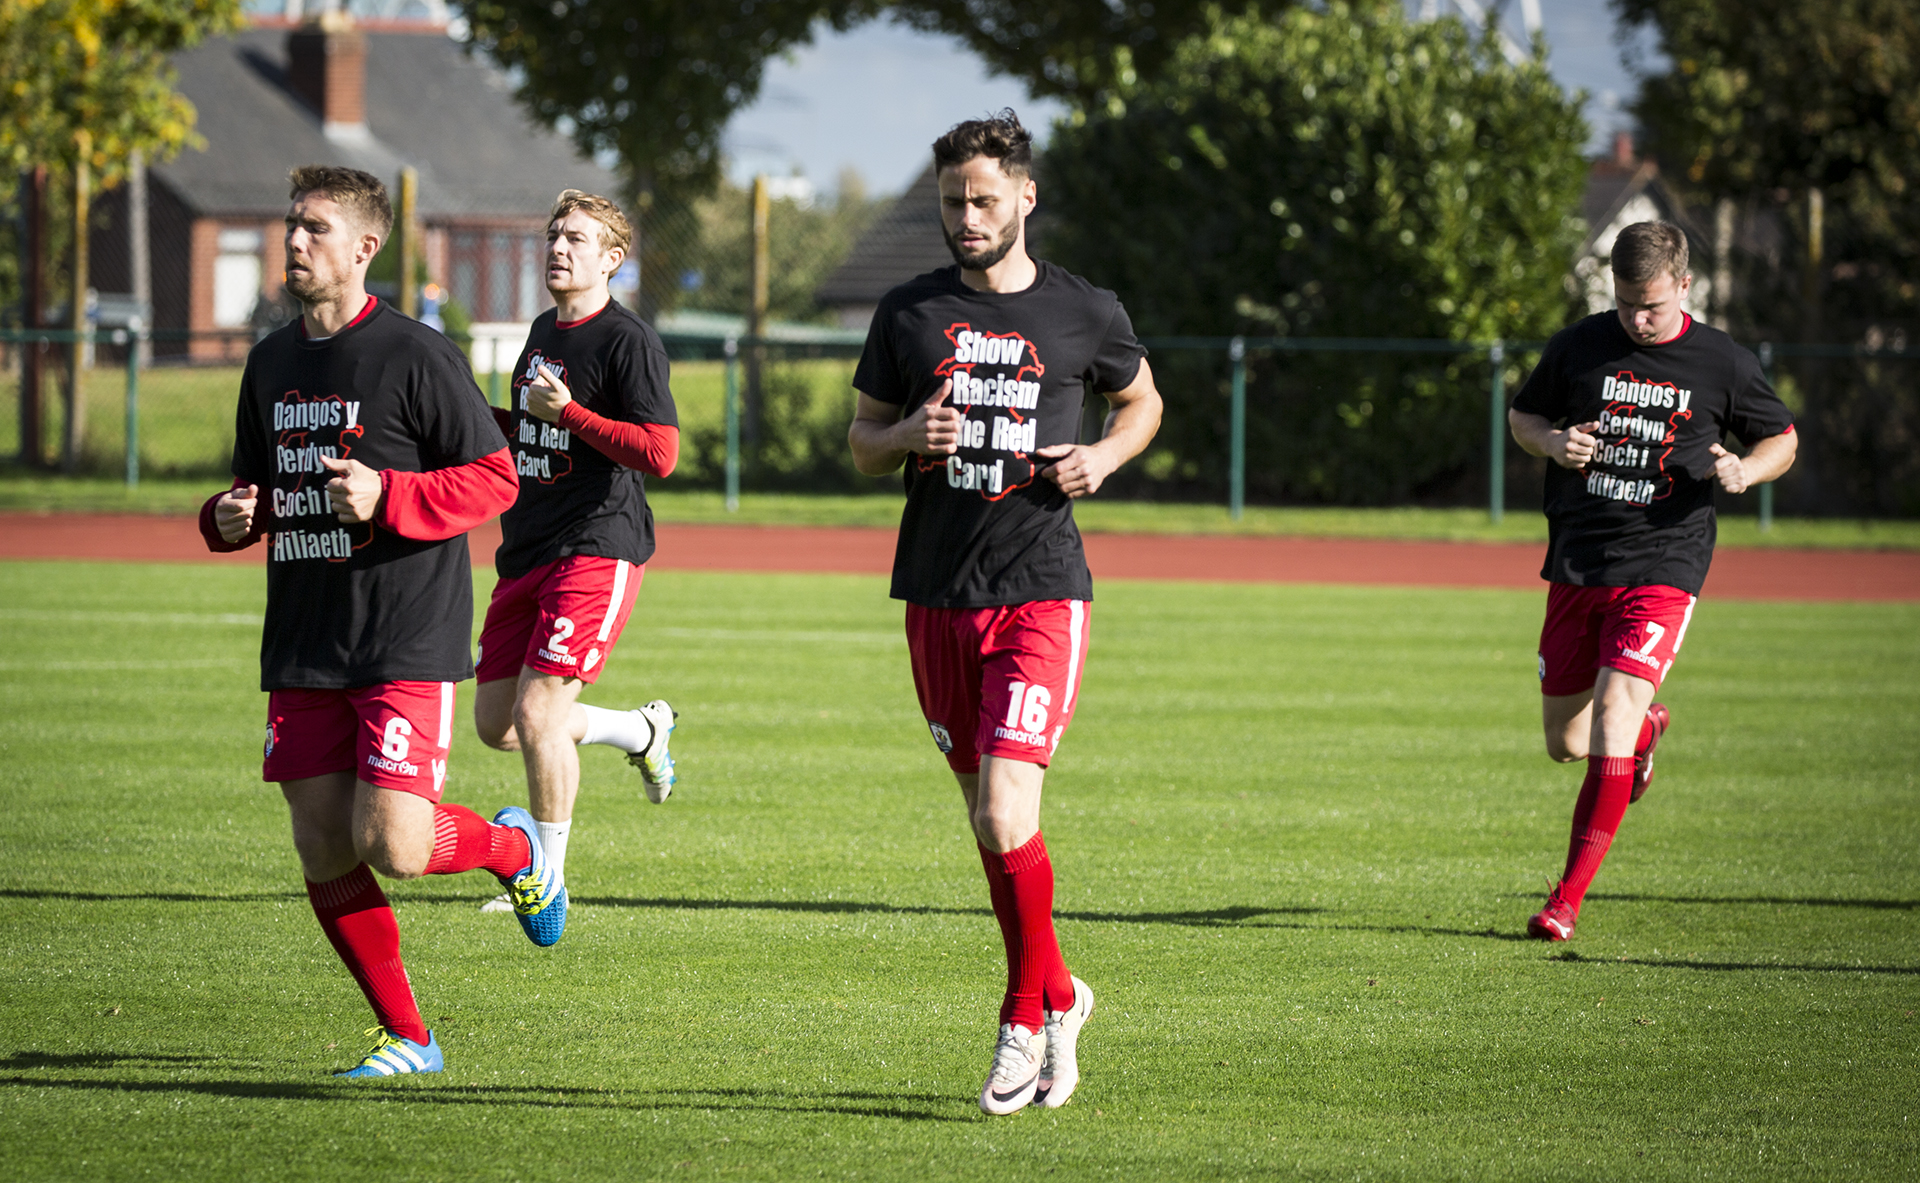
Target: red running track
1737	573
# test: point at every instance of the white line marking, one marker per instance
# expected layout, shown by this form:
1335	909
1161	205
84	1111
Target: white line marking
132	617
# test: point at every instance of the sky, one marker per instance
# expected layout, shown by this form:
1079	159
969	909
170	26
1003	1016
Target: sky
874	98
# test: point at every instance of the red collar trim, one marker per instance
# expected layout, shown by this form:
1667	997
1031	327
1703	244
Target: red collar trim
574	324
1686	322
366	310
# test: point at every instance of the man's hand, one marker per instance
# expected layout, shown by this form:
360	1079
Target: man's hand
1078	469
547	395
934	429
1575	446
354	490
1730	470
233	513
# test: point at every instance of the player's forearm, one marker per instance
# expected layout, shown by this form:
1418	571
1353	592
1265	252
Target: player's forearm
1130	427
431	506
874	446
1531	432
1771	457
652	448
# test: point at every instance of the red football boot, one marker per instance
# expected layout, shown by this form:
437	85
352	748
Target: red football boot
1553	922
1643	761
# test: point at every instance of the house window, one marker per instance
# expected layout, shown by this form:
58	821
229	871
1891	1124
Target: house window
236	278
495	274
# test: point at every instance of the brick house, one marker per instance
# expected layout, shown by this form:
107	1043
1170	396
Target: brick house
377	96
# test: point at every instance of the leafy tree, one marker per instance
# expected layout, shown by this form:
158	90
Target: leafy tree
653	81
1084	51
99	67
1763	101
1337	173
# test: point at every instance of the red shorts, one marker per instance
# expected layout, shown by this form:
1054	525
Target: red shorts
394	735
560	619
1636	630
999	681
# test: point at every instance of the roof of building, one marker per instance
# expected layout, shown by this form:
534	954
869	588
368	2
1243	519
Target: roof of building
1613	185
429	104
903	242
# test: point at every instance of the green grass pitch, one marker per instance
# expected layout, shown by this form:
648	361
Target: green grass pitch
1298	832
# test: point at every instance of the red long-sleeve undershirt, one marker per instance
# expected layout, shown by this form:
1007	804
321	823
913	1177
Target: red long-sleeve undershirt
423	506
653	448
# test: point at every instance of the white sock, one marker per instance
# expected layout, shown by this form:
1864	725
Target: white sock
553	840
627	730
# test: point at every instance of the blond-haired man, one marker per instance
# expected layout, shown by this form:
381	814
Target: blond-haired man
591	417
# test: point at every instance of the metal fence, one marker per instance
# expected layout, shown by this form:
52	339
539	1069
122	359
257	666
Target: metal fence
199	439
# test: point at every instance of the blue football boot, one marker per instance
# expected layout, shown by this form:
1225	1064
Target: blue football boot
539	895
395	1056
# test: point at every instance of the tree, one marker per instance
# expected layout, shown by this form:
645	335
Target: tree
655	81
1765	102
98	67
1345	173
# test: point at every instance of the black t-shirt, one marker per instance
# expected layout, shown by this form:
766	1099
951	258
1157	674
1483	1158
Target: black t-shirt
574	500
355	605
982	528
1641	513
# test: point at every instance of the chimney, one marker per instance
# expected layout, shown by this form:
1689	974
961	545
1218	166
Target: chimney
327	67
1623	149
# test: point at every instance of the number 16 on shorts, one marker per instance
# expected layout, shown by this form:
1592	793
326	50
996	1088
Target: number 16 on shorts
1026	720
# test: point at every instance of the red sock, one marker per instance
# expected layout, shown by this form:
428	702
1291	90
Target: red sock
1596	815
1020	884
465	841
354	914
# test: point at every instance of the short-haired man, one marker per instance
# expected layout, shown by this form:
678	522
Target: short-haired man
591	417
1631	407
364	450
973	378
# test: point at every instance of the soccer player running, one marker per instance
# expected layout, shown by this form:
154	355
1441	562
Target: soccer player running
364	452
591	414
1631	406
973	378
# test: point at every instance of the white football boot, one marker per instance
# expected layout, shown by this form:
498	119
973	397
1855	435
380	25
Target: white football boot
655	762
1060	1070
1017	1057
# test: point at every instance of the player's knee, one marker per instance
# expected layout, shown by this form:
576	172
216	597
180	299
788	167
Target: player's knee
497	733
534	717
394	860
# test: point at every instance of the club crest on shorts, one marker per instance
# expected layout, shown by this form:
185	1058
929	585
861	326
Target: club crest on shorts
270	739
941	738
1543	666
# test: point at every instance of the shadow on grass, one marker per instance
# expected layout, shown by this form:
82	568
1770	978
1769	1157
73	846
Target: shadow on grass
1737	966
1212	917
1762	900
897	1106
